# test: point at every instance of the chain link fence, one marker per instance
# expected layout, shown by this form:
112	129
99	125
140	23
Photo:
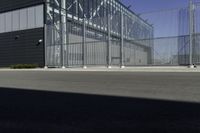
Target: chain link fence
160	38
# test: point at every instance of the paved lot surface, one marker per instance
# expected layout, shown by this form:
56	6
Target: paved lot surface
67	101
167	86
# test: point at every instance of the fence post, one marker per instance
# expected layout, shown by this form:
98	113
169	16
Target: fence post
63	21
67	26
191	27
45	35
83	44
67	39
122	41
109	41
45	47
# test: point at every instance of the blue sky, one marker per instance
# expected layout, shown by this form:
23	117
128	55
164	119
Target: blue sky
140	6
165	23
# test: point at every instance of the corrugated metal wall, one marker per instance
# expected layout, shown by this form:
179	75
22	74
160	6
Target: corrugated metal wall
7	5
20	47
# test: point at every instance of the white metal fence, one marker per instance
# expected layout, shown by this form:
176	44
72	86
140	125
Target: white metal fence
172	39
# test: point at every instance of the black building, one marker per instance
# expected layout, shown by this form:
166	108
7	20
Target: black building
21	27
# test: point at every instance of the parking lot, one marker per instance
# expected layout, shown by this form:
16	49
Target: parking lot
155	85
75	101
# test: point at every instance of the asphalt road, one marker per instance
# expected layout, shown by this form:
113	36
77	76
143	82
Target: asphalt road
96	102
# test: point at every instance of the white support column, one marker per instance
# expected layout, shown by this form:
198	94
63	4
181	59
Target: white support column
122	42
45	47
67	38
63	28
83	44
191	23
45	36
109	41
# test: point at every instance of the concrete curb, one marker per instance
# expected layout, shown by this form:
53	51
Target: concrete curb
113	69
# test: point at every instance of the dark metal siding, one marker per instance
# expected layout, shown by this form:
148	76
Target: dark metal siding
22	50
7	5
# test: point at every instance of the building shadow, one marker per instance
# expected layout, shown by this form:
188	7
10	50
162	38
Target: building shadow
28	111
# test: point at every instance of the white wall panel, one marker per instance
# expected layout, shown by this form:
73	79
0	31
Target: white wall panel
22	19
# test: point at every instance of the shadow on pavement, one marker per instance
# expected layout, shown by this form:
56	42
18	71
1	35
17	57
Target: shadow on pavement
27	111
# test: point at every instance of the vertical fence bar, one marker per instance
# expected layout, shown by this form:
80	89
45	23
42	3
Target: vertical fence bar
54	35
45	35
109	41
191	27
122	41
67	37
83	44
62	36
45	47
